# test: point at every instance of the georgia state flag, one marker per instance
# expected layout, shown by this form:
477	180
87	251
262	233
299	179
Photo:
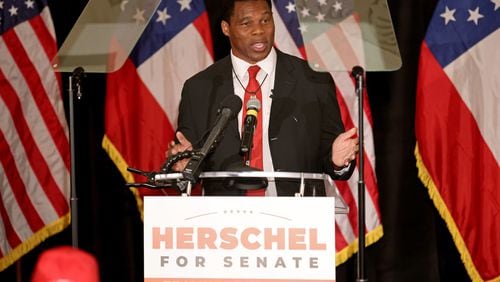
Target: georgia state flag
143	96
458	127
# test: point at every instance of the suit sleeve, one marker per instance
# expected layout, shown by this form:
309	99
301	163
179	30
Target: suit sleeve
186	121
331	128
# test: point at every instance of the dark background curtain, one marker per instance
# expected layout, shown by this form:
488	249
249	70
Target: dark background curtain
416	245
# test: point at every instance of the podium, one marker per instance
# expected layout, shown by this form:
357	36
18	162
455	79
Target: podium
219	238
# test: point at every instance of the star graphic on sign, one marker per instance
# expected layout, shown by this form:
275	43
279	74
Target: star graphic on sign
337	6
139	16
497	3
322	2
320	17
163	16
474	16
29	4
304	12
290	7
448	15
13	11
185	4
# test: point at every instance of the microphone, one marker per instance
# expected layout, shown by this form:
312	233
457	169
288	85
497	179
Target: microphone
230	106
253	107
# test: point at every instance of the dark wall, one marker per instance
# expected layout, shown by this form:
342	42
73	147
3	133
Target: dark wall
416	245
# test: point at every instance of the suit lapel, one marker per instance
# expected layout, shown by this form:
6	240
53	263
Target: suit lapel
282	94
223	85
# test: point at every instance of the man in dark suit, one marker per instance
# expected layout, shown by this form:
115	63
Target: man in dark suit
302	130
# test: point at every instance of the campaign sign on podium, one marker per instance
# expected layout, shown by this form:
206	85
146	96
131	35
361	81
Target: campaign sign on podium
239	239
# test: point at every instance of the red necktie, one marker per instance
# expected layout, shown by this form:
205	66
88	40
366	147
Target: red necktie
253	88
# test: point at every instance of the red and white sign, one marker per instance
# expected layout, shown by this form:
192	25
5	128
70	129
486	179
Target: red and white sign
239	239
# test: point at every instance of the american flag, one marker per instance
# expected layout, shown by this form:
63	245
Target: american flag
341	34
143	96
458	128
34	147
289	39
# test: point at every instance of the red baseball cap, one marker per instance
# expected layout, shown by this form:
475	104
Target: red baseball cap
66	264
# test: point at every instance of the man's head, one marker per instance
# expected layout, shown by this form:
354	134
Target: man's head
250	27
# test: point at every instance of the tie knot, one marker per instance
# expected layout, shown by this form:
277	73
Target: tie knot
253	70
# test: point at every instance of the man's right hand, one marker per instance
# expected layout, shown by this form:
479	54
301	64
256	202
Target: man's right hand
175	148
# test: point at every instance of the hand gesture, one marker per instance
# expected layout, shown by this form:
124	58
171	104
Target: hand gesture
345	147
175	148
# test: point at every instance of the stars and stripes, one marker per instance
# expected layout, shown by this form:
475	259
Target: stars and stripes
329	10
458	130
289	39
34	146
143	97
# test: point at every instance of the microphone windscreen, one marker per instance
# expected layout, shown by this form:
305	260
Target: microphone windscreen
253	103
233	103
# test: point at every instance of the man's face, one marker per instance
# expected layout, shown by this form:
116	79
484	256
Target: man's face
250	30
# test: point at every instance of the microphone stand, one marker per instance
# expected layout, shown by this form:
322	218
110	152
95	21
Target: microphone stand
247	154
358	74
74	84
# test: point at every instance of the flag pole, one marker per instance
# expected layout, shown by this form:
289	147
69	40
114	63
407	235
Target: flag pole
358	74
74	84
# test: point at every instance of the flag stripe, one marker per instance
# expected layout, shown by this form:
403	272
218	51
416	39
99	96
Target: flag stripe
132	101
27	112
459	168
334	40
46	144
289	20
167	53
35	157
466	69
35	85
463	169
370	182
345	232
47	21
201	23
47	40
12	238
161	67
43	35
349	113
340	241
27	190
371	215
347	194
162	34
34	146
17	194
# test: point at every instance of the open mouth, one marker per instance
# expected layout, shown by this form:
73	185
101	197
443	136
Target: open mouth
259	46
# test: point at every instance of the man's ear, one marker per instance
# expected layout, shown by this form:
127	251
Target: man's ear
225	28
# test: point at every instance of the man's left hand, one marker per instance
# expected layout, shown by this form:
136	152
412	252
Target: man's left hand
345	147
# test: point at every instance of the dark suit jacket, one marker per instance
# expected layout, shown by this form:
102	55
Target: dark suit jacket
305	119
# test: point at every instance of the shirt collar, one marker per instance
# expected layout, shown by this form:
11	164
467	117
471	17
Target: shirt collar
241	67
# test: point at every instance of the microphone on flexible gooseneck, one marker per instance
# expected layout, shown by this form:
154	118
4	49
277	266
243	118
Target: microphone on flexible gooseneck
249	124
228	110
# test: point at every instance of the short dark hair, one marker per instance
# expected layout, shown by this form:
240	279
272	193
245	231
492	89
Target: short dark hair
228	8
